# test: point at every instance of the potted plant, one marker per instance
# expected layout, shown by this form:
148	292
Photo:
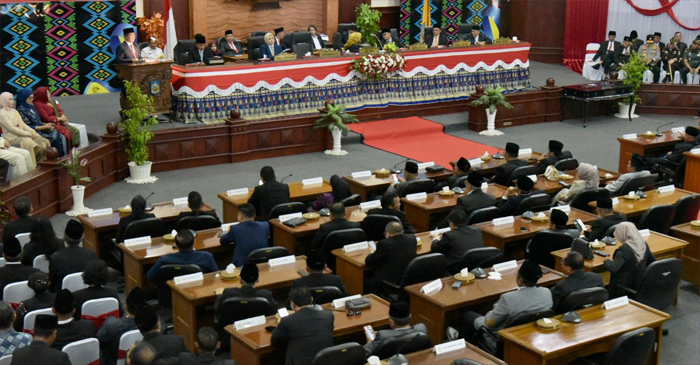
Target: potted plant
74	165
634	74
492	98
136	132
335	119
368	23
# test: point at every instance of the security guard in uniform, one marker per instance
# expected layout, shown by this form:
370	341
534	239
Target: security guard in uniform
672	61
691	60
651	54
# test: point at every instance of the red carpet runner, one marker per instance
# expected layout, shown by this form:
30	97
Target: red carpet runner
419	139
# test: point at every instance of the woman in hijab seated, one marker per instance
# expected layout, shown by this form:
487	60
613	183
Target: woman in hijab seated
588	179
25	107
51	112
138	212
19	134
353	43
629	261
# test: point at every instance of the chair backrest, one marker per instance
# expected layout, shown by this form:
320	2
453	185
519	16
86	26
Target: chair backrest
374	225
583	197
266	253
84	352
338	239
143	45
637	183
287	208
583	298
97	310
521	171
183	46
424	268
301	37
535	203
404	344
30	317
236	308
343	27
257	33
483	215
463	362
527	317
687	209
23	238
254	44
198	222
6	360
544	242
465	28
632	348
657	218
481	257
41	263
168	272
591	49
301	49
659	284
419	186
566	164
352	200
127	340
153	227
286	40
17	292
325	294
2	262
344	354
610	231
74	282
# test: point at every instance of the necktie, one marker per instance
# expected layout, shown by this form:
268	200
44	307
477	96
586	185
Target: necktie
133	52
201	56
435	42
233	47
610	45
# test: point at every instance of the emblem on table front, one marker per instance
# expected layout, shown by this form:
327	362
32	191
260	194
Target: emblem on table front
155	87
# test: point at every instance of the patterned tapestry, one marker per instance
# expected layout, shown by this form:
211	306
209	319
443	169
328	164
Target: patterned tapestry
66	46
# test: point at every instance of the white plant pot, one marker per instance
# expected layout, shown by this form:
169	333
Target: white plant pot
624	111
140	174
337	137
78	192
491	126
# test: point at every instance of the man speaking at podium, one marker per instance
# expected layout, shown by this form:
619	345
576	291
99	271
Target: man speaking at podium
128	52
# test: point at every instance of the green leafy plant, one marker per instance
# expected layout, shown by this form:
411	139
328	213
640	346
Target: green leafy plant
368	23
391	47
334	116
492	98
634	74
135	126
74	164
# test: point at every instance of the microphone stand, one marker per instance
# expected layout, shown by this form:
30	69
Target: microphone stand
478	271
498	155
400	359
659	134
394	170
290	175
149	206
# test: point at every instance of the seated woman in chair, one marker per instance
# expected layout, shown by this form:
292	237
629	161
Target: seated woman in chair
138	212
43	241
18	134
26	109
270	49
51	112
629	260
589	179
95	276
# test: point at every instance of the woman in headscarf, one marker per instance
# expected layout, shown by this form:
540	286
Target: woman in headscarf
25	107
353	43
51	112
629	260
138	212
19	134
588	179
19	158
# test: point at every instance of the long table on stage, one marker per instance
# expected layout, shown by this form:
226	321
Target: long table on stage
290	88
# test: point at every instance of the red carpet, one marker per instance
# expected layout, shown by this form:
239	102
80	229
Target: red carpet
419	139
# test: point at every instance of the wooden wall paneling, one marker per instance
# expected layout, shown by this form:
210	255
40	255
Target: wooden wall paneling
529	107
391	16
540	22
669	99
330	24
181	12
346	12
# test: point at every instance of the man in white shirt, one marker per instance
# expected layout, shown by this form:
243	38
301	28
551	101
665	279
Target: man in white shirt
152	52
634	169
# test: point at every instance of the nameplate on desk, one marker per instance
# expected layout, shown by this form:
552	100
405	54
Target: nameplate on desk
368	50
630	136
418	47
450	346
678	130
370	205
512	264
475	162
505	221
250	322
340	303
617	302
282	261
100	212
667	189
523	152
533	178
227	226
461	44
615	201
314	181
286	57
425	165
644	233
484	186
138	243
285	217
329	53
438	232
243	191
283	312
431	287
695	151
180	201
356	247
416	197
190	279
361	174
564	208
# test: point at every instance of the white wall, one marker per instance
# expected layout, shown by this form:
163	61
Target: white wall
623	19
139	8
385	3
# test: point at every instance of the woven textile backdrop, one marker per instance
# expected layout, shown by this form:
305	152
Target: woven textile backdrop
63	45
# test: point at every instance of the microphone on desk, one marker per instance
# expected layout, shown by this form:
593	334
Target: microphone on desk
400	359
659	134
149	206
478	271
379	42
498	155
290	175
394	170
573	317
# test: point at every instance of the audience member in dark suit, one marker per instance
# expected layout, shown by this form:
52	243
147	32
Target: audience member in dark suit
270	49
461	169
475	198
558	222
195	203
387	39
608	218
39	282
511	199
636	42
113	328
688	143
337	223
95	277
128	51
10	339
142	353
249	277
554	155
40	352
186	255
280	39
456	242
577	279
437	39
315	265
71	259
13	271
138	212
23	223
69	330
246	236
341	188
166	346
476	37
410	173
392	256
230	46
629	261
316	40
43	241
206	345
503	172
200	53
399	325
305	332
606	52
269	194
391	205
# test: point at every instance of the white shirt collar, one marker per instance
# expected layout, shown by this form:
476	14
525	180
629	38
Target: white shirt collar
13	263
69	320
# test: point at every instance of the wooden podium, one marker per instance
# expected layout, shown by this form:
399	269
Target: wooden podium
154	79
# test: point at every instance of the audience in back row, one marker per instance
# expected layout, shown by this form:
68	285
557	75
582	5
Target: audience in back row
95	276
43	241
41	350
43	298
113	328
69	329
13	271
24	222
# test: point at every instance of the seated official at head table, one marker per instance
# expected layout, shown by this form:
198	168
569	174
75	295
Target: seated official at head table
316	41
246	236
152	52
229	46
387	39
476	37
354	40
437	39
270	49
200	53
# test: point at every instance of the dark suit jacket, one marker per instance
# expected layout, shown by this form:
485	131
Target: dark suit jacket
247	291
13	273
383	335
124	222
625	270
193	56
551	160
246	237
203	358
305	333
201	212
17	226
110	333
32	249
390	259
315	280
41	301
320	41
599	227
68	261
124	54
266	196
165	345
203	259
326	228
265	51
93	292
226	49
39	353
451	182
482	38
455	243
73	331
476	199
508	206
682	47
677	153
576	281
503	172
602	51
407	228
441	42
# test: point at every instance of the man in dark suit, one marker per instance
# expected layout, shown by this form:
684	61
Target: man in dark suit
128	51
606	52
456	242
558	222
269	194
305	332
503	172
23	223
249	277
246	236
315	265
71	259
113	328
142	353
200	53
13	271
386	39
636	42
658	42
206	345
230	46
608	218
623	57
475	198
138	212
689	142
69	329
682	46
460	170
40	352
554	155
577	279
279	39
195	203
410	173
399	325
514	196
186	255
166	346
437	39
391	205
337	223
476	37
391	257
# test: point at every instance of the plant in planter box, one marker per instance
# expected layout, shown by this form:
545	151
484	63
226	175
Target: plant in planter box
492	98
335	119
137	133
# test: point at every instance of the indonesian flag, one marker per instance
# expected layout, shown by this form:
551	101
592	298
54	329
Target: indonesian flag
169	35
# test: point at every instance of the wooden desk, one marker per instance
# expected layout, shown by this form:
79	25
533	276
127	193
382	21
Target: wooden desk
692	172
234	59
444	308
598	330
418	213
351	267
636	208
187	300
428	357
691	254
488	168
252	346
291	237
648	147
553	187
366	186
297	193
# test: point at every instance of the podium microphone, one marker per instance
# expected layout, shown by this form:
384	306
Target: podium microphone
400	359
478	271
290	175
